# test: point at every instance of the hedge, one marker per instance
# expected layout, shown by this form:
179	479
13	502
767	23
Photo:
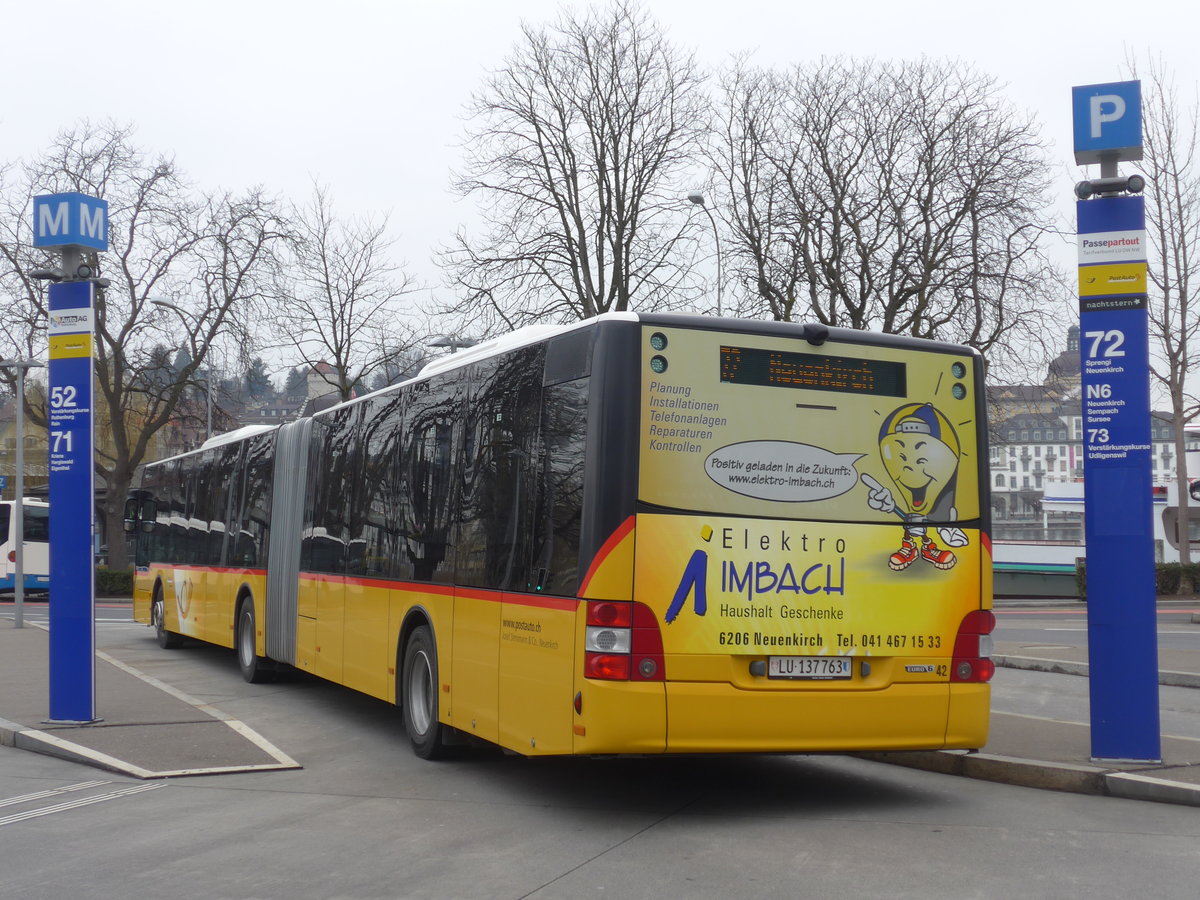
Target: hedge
114	582
1166	577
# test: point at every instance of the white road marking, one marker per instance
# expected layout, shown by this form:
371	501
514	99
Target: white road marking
1160	630
81	802
53	792
1000	712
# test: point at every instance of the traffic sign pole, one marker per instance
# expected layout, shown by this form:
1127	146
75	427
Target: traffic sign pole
72	506
71	223
1115	375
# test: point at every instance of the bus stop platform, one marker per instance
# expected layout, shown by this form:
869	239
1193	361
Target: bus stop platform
1038	751
153	730
148	729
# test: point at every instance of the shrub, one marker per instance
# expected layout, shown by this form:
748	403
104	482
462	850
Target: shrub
114	582
1166	577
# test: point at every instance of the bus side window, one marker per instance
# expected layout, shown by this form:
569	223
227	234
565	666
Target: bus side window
557	517
429	453
377	520
36	524
499	483
317	553
177	530
253	514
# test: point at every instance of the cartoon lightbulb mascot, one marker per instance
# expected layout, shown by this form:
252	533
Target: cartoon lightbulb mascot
920	452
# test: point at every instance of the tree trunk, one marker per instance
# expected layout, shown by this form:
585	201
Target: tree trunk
114	525
1186	583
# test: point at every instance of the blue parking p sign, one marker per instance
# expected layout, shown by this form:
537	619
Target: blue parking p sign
1108	122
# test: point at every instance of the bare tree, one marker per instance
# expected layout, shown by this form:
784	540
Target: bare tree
905	197
207	256
766	259
340	299
575	150
1172	176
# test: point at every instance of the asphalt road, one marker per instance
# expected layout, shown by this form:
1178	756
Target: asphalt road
1067	626
366	819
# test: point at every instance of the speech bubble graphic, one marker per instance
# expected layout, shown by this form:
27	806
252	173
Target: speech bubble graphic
783	471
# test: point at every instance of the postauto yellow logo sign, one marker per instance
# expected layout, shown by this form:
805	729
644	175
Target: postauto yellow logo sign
1107	280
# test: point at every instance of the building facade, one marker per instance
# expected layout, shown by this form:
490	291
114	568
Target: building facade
1037	444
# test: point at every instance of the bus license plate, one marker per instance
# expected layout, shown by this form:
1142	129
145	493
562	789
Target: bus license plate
814	667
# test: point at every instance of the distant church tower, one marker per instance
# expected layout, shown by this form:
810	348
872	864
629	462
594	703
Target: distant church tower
1063	373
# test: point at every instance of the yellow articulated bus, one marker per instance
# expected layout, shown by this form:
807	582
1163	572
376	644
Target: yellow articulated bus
637	534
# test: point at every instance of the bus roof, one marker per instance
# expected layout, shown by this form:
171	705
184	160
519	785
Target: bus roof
522	337
532	334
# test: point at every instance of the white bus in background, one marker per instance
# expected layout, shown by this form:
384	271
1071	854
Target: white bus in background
36	562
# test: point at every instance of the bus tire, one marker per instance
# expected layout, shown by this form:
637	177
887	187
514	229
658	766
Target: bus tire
419	697
255	669
168	640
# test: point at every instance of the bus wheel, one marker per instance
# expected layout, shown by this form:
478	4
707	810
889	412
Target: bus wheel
168	640
254	668
420	695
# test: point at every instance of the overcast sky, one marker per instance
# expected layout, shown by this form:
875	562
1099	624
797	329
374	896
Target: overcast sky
367	97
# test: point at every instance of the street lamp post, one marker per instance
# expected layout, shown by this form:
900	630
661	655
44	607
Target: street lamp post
18	510
166	304
452	342
697	197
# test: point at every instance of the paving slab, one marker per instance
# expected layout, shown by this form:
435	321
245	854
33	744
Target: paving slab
144	728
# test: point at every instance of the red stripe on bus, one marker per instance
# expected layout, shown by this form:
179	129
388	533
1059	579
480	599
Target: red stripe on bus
541	601
423	587
219	570
323	576
613	540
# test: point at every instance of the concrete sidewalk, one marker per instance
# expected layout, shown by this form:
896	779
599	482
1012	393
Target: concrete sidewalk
1041	752
153	730
1036	751
148	730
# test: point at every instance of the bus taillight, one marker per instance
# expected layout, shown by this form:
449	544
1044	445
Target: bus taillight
973	648
623	642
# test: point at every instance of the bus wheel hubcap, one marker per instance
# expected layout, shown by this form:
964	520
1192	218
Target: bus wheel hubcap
419	693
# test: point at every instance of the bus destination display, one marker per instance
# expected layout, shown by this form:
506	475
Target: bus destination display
783	368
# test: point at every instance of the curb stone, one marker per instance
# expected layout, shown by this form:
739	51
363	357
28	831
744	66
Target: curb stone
1043	775
1066	667
1133	786
1001	769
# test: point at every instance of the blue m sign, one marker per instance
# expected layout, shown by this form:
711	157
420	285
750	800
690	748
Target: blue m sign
70	220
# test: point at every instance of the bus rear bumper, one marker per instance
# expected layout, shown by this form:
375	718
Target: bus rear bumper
34	583
707	717
715	718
